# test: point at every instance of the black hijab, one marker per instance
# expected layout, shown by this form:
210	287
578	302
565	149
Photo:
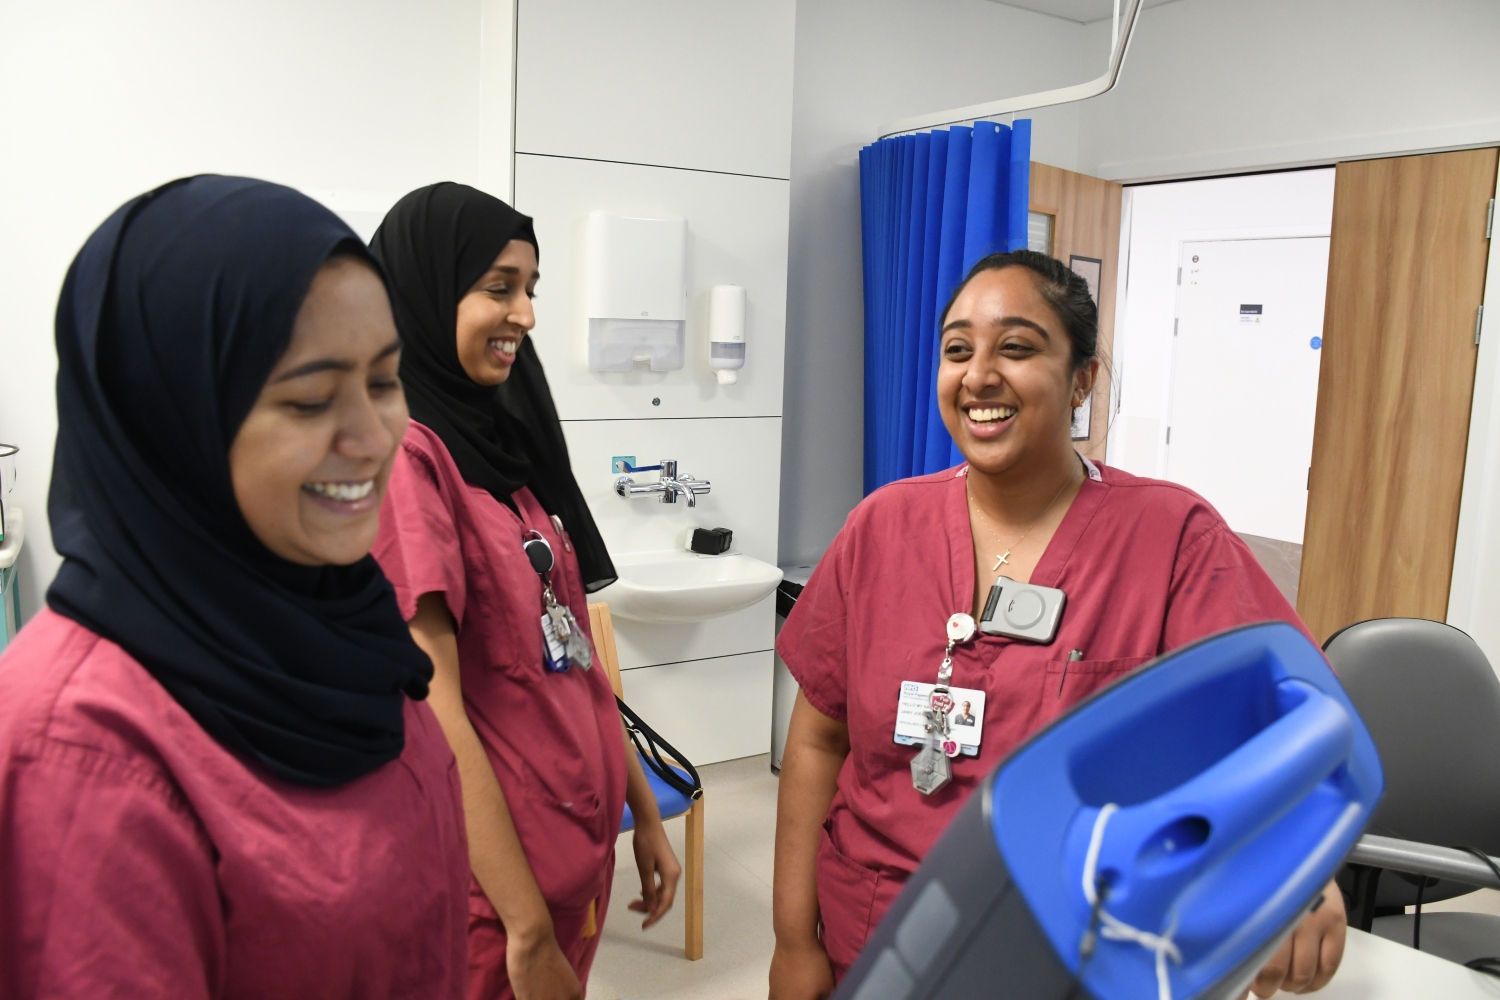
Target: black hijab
171	318
434	245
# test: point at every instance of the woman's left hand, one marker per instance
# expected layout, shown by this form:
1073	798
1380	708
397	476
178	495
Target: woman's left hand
659	869
1307	960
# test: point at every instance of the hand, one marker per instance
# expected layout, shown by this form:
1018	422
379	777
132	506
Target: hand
801	972
659	872
538	969
1309	958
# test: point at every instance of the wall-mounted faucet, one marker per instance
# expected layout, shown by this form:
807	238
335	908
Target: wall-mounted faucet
668	486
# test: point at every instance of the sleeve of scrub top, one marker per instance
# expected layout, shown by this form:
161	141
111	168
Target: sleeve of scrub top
814	642
110	883
418	546
1217	584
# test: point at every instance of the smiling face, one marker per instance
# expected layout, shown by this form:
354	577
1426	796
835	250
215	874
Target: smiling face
1006	384
311	461
496	313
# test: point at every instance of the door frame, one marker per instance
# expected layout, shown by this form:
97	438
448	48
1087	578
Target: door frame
1475	582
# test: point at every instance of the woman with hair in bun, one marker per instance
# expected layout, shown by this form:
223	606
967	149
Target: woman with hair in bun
492	549
217	775
1147	567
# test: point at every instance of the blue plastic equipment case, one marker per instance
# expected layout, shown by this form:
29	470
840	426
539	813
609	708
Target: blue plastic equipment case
1217	789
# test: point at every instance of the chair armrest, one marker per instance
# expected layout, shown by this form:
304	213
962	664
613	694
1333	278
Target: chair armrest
1422	859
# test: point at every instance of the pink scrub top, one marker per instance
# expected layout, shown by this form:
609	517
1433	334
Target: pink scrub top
1147	566
554	739
140	858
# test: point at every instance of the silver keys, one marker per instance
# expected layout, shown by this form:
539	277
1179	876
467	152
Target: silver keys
930	769
561	627
580	653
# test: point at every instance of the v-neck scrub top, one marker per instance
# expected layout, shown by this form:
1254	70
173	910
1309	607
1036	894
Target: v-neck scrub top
140	858
1147	566
554	739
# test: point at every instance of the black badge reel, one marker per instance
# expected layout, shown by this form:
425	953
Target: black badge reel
539	552
1159	840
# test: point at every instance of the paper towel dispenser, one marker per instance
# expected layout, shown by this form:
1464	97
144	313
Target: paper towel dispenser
637	292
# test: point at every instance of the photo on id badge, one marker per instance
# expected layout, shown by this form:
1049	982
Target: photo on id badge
965	719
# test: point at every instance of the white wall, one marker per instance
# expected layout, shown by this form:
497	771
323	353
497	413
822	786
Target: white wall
671	108
355	101
860	64
1229	85
1162	216
704	86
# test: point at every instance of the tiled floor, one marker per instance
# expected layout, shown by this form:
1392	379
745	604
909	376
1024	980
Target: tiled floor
739	798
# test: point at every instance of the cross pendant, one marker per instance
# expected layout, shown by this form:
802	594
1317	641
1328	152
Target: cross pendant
1001	560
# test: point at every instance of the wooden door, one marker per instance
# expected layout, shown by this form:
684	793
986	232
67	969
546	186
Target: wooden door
1405	280
1086	223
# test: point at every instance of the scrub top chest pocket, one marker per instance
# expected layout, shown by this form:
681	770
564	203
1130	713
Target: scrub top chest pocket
1068	681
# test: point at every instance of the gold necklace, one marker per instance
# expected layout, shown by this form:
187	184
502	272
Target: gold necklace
1004	557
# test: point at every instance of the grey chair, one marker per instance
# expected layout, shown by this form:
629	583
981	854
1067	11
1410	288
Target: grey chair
1432	704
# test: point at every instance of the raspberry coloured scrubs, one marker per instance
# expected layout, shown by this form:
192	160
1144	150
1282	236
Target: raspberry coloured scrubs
554	739
1147	566
140	858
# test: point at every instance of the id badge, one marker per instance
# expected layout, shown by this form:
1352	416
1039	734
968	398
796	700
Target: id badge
965	720
554	651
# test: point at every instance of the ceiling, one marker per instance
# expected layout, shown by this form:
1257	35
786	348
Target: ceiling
1081	11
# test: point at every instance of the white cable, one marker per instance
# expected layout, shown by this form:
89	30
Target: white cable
1116	929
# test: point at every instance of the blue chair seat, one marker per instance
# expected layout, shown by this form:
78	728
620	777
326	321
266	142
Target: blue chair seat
669	800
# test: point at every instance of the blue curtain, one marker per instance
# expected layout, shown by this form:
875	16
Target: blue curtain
932	205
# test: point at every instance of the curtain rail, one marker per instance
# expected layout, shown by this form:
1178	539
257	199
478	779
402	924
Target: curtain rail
1030	102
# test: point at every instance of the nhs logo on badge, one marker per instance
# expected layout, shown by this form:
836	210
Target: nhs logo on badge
910	687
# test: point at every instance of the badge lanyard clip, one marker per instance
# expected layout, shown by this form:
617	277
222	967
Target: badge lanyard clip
563	642
931	769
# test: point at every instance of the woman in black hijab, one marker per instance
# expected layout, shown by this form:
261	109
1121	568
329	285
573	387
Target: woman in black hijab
492	549
199	794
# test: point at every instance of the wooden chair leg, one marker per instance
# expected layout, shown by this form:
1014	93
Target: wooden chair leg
693	909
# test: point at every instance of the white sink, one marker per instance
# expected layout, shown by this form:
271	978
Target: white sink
674	586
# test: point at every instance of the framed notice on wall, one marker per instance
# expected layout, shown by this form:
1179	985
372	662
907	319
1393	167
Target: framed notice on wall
1090	270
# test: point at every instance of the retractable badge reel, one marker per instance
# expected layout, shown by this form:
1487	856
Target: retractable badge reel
563	642
930	768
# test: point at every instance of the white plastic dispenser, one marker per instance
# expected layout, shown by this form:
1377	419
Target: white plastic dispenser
637	292
726	332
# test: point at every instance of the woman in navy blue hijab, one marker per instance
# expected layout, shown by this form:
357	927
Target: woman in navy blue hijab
217	776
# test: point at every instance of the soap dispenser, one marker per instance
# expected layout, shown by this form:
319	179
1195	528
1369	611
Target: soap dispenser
726	332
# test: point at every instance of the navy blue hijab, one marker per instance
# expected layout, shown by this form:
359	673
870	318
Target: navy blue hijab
171	318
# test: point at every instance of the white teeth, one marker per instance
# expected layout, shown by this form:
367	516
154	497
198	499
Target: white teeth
984	415
506	346
346	492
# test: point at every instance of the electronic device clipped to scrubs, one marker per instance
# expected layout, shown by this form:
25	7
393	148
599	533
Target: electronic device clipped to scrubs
1159	840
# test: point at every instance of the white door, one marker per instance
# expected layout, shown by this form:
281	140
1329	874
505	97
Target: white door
1245	378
